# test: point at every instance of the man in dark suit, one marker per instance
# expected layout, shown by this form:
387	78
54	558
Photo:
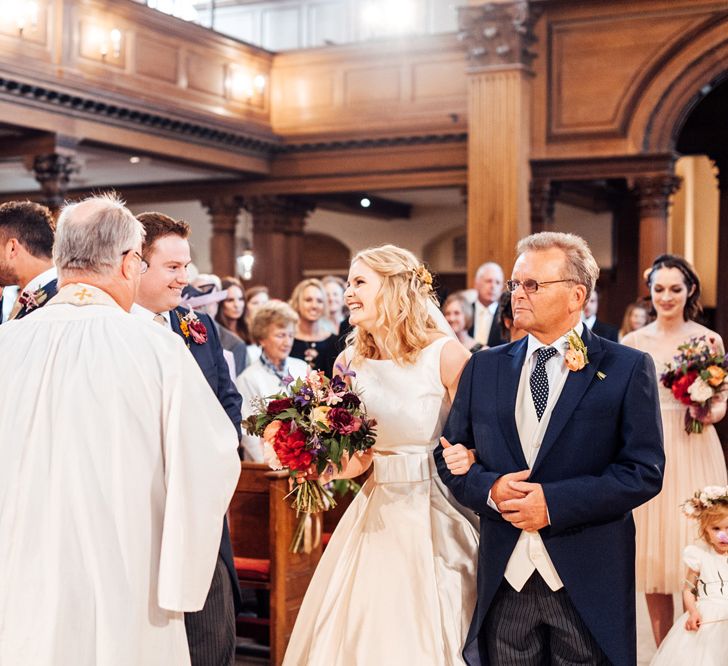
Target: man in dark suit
166	252
488	284
568	439
26	248
600	328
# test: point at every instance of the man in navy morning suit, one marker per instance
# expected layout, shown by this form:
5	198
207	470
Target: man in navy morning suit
27	231
566	444
166	253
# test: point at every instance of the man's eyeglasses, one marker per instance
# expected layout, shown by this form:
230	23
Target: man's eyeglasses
531	286
143	265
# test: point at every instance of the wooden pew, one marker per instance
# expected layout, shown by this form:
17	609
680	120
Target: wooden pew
261	527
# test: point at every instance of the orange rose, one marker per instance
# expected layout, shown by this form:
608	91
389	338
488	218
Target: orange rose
717	375
574	359
271	430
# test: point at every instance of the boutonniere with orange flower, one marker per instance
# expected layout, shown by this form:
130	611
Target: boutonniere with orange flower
576	357
192	328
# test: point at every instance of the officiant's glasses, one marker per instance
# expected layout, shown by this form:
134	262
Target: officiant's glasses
530	286
143	265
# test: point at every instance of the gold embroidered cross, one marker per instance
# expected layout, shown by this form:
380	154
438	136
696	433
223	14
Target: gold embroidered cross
83	294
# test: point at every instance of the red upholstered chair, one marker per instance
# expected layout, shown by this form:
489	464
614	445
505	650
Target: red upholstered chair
261	527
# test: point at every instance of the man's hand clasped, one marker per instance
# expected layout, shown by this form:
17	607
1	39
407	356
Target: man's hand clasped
521	503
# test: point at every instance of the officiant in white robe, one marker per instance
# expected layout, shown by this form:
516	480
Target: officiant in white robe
113	488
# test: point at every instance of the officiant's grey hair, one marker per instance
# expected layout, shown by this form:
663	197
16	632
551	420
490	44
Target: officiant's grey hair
580	263
93	235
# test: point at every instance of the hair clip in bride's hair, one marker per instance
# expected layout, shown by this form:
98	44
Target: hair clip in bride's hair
423	275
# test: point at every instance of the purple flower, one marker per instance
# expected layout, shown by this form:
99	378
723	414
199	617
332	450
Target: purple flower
304	397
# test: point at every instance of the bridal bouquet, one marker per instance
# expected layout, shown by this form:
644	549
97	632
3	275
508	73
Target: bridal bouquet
308	429
697	373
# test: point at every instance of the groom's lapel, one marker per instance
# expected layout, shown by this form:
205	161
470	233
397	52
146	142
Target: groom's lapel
509	374
576	384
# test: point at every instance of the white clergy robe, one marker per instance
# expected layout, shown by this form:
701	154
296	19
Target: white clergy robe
117	464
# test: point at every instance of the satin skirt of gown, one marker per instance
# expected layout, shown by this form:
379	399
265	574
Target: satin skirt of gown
396	584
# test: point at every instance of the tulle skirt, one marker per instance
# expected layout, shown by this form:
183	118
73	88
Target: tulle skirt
691	462
708	646
397	582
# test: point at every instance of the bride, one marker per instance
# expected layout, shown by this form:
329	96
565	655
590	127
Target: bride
397	581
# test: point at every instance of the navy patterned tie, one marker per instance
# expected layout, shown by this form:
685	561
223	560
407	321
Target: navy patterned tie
539	380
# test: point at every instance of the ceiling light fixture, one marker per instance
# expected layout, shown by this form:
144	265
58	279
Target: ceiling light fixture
365	202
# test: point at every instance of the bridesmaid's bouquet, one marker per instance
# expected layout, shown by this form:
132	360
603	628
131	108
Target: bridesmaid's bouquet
697	373
307	429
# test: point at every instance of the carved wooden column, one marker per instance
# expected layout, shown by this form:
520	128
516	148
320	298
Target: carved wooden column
541	197
498	36
224	218
721	306
52	171
653	197
278	224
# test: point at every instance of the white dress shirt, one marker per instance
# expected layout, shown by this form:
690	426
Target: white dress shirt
41	280
142	312
590	321
484	321
530	553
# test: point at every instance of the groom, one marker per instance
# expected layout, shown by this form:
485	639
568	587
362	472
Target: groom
568	441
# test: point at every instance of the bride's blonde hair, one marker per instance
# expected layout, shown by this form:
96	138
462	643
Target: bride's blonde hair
401	303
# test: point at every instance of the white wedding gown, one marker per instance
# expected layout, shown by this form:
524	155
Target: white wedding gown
396	584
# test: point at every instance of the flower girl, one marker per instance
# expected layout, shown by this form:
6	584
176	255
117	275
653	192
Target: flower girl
700	636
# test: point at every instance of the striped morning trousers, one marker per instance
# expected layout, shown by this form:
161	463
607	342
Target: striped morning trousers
537	627
211	631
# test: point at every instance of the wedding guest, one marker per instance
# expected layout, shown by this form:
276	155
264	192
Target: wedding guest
232	310
509	330
273	328
596	326
336	312
313	342
114	488
488	284
692	460
204	295
26	244
459	314
636	316
255	297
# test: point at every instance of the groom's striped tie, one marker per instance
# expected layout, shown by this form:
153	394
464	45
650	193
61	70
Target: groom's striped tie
540	381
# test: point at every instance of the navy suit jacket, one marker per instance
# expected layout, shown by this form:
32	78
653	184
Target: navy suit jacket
601	456
213	365
605	331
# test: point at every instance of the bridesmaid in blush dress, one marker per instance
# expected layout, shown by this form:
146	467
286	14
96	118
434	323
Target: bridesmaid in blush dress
396	584
691	461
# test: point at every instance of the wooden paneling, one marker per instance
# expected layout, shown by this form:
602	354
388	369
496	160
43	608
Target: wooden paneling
604	68
206	75
376	89
156	59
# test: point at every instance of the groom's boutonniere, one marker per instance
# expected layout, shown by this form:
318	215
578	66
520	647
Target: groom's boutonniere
575	357
193	328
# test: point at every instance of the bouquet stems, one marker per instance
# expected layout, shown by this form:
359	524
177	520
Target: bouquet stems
309	497
692	425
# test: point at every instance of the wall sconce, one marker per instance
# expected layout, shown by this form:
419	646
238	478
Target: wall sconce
113	41
242	86
244	264
21	14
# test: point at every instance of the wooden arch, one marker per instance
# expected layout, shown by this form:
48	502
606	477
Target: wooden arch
688	70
